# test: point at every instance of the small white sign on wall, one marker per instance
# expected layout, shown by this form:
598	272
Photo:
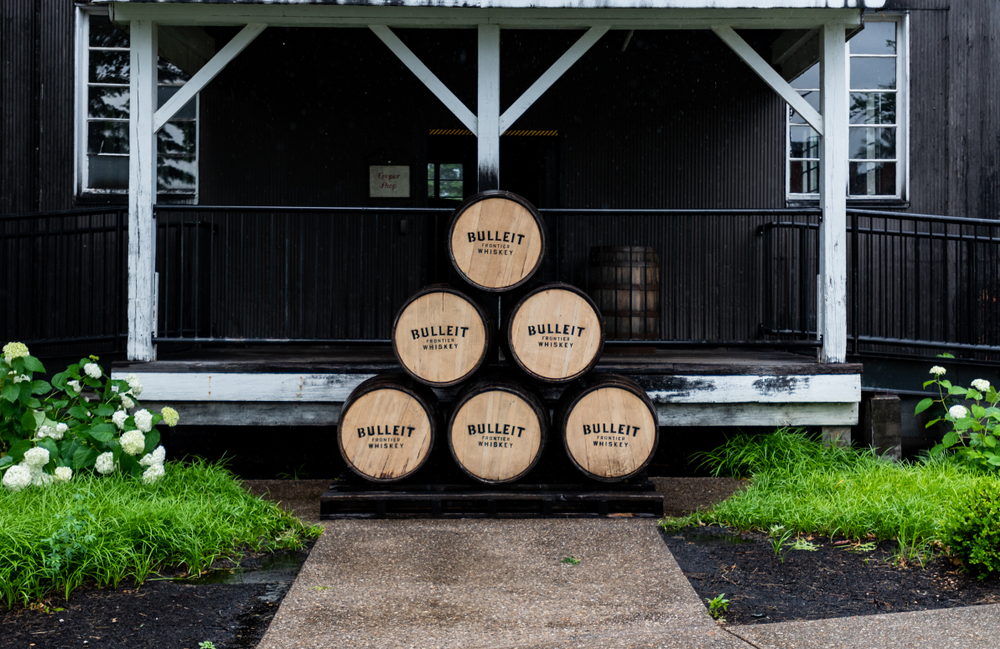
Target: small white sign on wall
389	181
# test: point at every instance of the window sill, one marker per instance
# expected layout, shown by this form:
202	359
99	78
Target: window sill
856	203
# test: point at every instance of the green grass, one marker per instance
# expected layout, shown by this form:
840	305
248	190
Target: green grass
103	530
808	488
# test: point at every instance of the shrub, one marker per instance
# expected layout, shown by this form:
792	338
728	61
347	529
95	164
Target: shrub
974	535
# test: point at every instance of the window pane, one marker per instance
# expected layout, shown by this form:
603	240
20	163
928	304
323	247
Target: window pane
451	188
108	172
873	108
808	79
107	137
163	93
109	66
176	138
451	171
804	142
875	38
872	178
104	34
804	176
175	173
167	72
108	102
871	74
873	143
812	98
430	171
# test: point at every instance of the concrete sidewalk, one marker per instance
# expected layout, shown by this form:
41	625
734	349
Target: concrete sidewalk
502	583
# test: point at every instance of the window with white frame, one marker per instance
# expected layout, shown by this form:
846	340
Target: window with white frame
877	124
103	114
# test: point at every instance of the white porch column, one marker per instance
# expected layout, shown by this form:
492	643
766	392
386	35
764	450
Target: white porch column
488	107
142	190
832	296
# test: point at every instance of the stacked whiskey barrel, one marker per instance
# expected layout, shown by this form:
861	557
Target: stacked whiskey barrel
497	427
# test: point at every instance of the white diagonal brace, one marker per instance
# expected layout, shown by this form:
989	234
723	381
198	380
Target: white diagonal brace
429	79
203	76
770	76
556	70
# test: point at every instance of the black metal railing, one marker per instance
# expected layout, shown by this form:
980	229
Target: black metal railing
64	280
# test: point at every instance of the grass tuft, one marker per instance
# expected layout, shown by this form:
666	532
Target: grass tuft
103	530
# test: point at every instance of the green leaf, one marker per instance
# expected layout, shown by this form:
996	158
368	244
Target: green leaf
945	355
950	439
11	392
978	411
79	412
84	458
40	387
50	445
152	441
946	384
102	433
957	389
932	422
995	460
33	364
965	423
28	420
931	382
105	410
25	391
59	381
18	450
5	460
923	405
990	441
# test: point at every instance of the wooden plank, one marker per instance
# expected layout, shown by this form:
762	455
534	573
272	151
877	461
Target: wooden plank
443	16
488	106
298	388
833	196
142	190
753	389
229	413
757	414
428	78
770	76
550	76
210	70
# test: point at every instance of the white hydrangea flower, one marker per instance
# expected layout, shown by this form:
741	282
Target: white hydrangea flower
128	403
958	412
144	420
118	419
46	431
153	473
64	473
105	463
170	416
133	442
23	377
14	350
60	431
156	457
134	384
981	384
75	385
93	370
39	478
17	477
937	370
37	456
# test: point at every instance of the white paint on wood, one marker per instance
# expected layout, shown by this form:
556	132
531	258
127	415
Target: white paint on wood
770	76
198	386
488	107
833	195
142	190
230	413
555	71
428	78
756	414
819	388
208	72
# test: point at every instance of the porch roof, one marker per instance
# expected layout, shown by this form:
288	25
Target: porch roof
549	4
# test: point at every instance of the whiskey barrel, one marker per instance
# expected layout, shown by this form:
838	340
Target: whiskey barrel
387	427
442	336
625	284
554	333
496	241
497	430
608	426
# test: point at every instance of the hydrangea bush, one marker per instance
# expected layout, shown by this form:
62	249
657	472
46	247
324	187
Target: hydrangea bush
82	421
974	437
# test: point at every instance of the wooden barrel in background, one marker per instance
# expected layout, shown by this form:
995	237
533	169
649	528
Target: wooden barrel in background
497	430
554	333
387	427
442	336
608	426
496	241
625	284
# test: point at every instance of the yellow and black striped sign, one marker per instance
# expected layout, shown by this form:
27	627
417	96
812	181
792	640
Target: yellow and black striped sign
520	133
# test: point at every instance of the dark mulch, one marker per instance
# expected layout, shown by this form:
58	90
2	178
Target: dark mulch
832	581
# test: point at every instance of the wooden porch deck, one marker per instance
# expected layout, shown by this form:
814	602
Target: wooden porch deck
306	385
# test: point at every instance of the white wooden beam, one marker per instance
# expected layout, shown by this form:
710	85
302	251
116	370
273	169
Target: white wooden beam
142	190
833	196
429	79
488	106
312	15
756	414
555	71
202	78
819	388
770	75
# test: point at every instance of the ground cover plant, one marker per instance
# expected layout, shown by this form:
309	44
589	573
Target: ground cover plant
107	530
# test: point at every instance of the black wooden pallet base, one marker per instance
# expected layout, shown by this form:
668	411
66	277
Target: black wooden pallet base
352	500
